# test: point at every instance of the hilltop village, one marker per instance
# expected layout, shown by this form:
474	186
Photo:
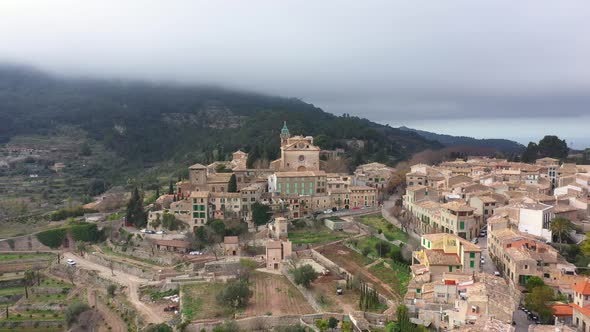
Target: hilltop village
474	244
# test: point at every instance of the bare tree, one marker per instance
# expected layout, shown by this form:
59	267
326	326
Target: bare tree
71	273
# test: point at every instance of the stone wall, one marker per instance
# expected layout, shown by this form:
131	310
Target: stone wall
23	243
260	323
130	269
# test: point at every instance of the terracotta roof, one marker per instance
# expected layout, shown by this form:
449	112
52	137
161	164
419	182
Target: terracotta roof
562	310
583	287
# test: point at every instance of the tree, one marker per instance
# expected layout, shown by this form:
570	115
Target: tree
111	289
322	324
533	282
170	188
537	300
560	227
29	279
260	213
304	275
332	322
71	273
73	311
135	212
531	153
81	247
552	146
218	227
236	294
232	186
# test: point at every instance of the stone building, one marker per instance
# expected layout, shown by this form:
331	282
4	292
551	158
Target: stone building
297	153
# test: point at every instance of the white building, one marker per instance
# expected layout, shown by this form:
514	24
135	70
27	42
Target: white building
535	219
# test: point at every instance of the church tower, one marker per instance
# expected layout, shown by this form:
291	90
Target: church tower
285	135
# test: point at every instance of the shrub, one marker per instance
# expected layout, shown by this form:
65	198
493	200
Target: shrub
73	311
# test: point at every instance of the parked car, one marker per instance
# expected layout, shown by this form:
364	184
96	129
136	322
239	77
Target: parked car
339	290
356	208
149	231
482	234
195	253
143	230
70	262
161	232
498	274
328	211
475	240
483	260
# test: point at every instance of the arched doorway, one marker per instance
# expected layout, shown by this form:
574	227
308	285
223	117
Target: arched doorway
301	169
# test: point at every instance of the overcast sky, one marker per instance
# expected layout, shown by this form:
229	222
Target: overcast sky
514	69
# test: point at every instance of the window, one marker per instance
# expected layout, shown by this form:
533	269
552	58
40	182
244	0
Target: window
471	264
471	255
462	224
450	269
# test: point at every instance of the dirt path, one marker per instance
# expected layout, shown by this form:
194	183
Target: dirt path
368	266
130	281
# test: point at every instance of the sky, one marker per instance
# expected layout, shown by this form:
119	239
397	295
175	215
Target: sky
490	68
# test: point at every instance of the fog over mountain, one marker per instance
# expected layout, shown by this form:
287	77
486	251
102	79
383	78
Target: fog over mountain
502	69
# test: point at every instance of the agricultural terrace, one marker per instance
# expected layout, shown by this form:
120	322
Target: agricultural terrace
46	302
199	301
396	275
19	262
357	264
390	231
324	290
302	233
272	295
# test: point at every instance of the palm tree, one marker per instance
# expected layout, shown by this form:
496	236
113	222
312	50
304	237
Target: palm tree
560	227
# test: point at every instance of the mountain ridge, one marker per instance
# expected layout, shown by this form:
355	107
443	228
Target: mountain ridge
500	144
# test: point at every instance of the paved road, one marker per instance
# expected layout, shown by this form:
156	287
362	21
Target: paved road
130	281
488	266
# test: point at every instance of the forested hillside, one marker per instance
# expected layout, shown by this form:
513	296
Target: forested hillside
148	124
498	144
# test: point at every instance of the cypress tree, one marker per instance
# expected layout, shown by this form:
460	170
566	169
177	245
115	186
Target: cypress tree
135	213
232	186
170	188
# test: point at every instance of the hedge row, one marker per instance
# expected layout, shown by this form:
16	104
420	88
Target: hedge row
54	238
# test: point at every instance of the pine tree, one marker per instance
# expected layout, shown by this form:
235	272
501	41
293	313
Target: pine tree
157	193
170	188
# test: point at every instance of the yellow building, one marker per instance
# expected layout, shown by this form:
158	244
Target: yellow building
442	252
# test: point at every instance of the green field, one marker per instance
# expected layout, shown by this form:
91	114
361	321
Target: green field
315	235
398	276
199	301
26	257
12	291
390	231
